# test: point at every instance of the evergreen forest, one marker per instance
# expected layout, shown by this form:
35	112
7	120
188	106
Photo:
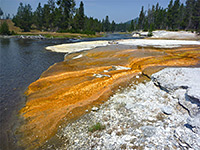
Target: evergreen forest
64	16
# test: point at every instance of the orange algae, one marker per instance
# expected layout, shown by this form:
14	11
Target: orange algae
68	88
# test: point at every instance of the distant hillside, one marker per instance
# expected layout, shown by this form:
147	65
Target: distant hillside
129	22
11	25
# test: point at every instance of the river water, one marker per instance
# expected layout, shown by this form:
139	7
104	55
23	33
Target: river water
22	61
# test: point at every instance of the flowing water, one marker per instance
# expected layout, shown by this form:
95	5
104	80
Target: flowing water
22	61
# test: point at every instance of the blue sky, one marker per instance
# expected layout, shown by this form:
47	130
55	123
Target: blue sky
118	10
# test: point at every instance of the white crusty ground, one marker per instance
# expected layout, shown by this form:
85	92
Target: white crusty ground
76	47
141	117
80	46
158	43
174	34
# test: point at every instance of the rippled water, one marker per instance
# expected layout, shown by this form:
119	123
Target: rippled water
21	62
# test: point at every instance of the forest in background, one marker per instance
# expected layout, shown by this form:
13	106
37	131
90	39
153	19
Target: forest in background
63	16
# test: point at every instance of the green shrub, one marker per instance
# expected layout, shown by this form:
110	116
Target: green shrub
4	29
150	34
97	126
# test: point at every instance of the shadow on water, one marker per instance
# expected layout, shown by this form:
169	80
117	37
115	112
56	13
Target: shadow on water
22	61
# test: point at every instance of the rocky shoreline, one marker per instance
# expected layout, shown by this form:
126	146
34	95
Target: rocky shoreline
162	113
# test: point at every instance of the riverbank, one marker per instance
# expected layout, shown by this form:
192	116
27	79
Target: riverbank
36	34
154	114
69	89
49	35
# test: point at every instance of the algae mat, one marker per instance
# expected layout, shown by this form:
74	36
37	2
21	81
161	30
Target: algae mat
85	79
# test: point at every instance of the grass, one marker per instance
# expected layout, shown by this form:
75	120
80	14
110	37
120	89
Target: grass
98	126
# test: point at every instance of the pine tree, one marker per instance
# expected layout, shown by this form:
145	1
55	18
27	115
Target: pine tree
107	24
189	13
157	17
51	20
38	20
113	26
46	16
196	16
23	19
169	15
132	26
181	17
175	14
81	16
67	8
141	18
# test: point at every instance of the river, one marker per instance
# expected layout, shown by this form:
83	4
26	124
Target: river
22	61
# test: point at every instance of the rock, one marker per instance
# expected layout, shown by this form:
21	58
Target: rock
168	110
112	42
175	79
31	37
101	75
193	94
79	56
148	131
120	68
95	108
195	122
192	109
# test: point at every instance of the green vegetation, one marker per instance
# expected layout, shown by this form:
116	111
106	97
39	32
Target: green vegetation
4	29
97	126
23	19
175	17
60	16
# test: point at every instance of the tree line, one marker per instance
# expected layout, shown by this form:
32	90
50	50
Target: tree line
60	16
63	16
176	16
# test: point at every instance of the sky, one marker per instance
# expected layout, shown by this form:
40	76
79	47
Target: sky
117	10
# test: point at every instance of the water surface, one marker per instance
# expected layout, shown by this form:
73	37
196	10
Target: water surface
21	63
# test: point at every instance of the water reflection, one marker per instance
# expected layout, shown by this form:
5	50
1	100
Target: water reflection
5	42
21	62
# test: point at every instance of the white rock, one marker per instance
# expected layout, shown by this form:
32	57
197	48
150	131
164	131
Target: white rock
79	56
95	108
120	68
101	75
168	110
